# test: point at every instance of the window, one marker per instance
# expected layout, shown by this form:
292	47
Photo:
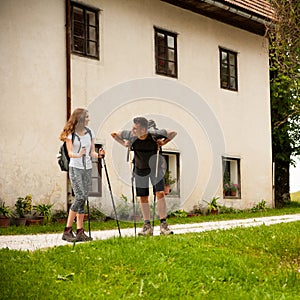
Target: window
165	53
84	30
228	69
231	178
96	188
172	168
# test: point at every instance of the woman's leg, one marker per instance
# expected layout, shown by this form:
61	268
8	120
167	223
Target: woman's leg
77	184
71	217
85	187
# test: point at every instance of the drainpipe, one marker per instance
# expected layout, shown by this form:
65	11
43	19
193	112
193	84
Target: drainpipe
239	12
68	84
68	56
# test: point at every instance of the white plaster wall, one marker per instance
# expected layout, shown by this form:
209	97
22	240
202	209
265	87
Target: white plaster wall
127	53
33	109
33	90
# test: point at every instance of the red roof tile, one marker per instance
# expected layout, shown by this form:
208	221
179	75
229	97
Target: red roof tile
260	7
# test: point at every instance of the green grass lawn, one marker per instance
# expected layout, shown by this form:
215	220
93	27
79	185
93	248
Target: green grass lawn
242	263
251	263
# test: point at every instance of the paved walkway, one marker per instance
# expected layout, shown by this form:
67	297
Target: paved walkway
39	241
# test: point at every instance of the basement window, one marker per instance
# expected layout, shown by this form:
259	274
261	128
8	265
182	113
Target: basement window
172	167
231	178
84	30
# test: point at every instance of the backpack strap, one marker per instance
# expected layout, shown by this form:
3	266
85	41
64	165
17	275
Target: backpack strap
76	135
73	139
89	132
154	138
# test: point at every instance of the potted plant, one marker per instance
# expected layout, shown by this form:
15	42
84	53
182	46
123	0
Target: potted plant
23	207
234	188
196	211
169	180
230	188
5	214
60	216
44	211
213	206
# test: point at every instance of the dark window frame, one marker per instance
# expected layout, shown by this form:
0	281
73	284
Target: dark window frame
84	48
166	154
163	49
228	176
97	164
228	70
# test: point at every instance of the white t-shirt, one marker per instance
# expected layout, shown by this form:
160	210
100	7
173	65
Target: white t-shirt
79	142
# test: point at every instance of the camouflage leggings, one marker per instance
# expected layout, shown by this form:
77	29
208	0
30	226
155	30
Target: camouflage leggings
81	181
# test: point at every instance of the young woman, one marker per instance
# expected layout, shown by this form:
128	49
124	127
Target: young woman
81	147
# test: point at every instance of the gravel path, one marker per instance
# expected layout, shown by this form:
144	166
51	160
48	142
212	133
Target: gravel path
39	241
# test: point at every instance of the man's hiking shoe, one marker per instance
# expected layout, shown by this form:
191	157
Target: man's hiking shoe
164	229
82	237
68	236
147	230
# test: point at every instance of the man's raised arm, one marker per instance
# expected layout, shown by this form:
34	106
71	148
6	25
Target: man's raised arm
170	135
118	137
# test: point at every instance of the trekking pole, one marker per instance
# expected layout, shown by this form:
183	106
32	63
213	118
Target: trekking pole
156	175
87	200
132	192
111	194
89	220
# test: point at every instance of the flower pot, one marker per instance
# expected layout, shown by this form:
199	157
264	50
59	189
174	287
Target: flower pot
233	193
62	221
214	211
20	221
167	189
37	221
137	218
4	222
191	215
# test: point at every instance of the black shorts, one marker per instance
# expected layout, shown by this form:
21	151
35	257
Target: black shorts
142	176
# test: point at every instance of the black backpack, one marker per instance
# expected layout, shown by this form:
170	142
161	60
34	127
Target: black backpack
63	158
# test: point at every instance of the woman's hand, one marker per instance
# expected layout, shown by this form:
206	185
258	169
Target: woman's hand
82	152
101	153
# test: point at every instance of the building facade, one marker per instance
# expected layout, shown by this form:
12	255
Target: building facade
197	67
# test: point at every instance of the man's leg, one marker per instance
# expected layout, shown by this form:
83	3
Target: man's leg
147	229
142	191
162	211
161	205
145	207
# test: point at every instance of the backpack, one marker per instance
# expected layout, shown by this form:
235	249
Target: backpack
63	158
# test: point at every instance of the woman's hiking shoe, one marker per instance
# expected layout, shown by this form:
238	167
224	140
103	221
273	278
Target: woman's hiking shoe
147	230
68	236
82	237
164	229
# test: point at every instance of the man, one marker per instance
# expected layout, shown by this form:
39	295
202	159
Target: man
145	146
